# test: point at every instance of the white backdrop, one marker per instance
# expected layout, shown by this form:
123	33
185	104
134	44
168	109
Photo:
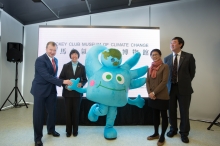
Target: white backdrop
127	39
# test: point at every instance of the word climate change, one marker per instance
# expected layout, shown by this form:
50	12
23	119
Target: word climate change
127	45
105	44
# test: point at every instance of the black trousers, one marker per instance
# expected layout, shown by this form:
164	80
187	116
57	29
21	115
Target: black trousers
40	103
72	113
156	117
184	104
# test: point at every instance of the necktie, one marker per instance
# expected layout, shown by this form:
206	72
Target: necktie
54	65
174	72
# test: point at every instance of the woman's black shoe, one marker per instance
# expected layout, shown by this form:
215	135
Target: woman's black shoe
75	134
68	134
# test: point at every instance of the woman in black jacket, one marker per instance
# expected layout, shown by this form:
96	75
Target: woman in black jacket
73	70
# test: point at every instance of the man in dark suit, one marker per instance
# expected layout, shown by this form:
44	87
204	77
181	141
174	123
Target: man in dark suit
44	91
73	70
182	71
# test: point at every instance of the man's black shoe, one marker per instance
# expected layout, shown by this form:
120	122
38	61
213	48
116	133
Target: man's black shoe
55	134
38	143
185	139
171	133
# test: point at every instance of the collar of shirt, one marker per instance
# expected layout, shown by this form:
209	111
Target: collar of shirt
49	57
179	54
74	64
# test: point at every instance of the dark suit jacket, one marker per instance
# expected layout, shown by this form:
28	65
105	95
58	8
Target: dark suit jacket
186	72
45	79
67	73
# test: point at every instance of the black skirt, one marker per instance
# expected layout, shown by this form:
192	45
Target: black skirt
158	104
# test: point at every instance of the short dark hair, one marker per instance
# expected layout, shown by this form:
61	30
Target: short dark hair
51	43
74	51
180	40
156	50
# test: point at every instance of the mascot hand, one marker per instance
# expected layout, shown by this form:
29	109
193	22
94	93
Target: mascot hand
139	102
75	86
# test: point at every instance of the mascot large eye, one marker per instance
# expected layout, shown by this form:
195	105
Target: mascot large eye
120	79
107	76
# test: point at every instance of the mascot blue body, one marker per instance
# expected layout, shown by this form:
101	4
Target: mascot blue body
108	84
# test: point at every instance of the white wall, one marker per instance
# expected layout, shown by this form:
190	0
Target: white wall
197	21
11	31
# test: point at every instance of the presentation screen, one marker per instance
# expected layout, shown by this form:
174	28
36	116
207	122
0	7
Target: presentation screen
128	40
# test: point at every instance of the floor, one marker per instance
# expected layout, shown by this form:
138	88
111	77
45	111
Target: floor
16	129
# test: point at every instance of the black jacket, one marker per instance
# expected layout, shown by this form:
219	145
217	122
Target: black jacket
186	72
67	73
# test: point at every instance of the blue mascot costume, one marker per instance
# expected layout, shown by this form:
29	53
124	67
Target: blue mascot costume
108	84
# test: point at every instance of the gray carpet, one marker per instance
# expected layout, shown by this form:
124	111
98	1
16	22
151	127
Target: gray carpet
16	129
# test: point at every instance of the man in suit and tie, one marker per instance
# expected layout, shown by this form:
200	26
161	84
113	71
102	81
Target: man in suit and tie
182	71
44	91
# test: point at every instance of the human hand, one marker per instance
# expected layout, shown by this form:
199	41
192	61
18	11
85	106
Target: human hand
79	85
67	82
152	96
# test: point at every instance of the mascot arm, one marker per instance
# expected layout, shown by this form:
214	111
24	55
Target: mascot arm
138	72
139	102
137	83
75	87
131	61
